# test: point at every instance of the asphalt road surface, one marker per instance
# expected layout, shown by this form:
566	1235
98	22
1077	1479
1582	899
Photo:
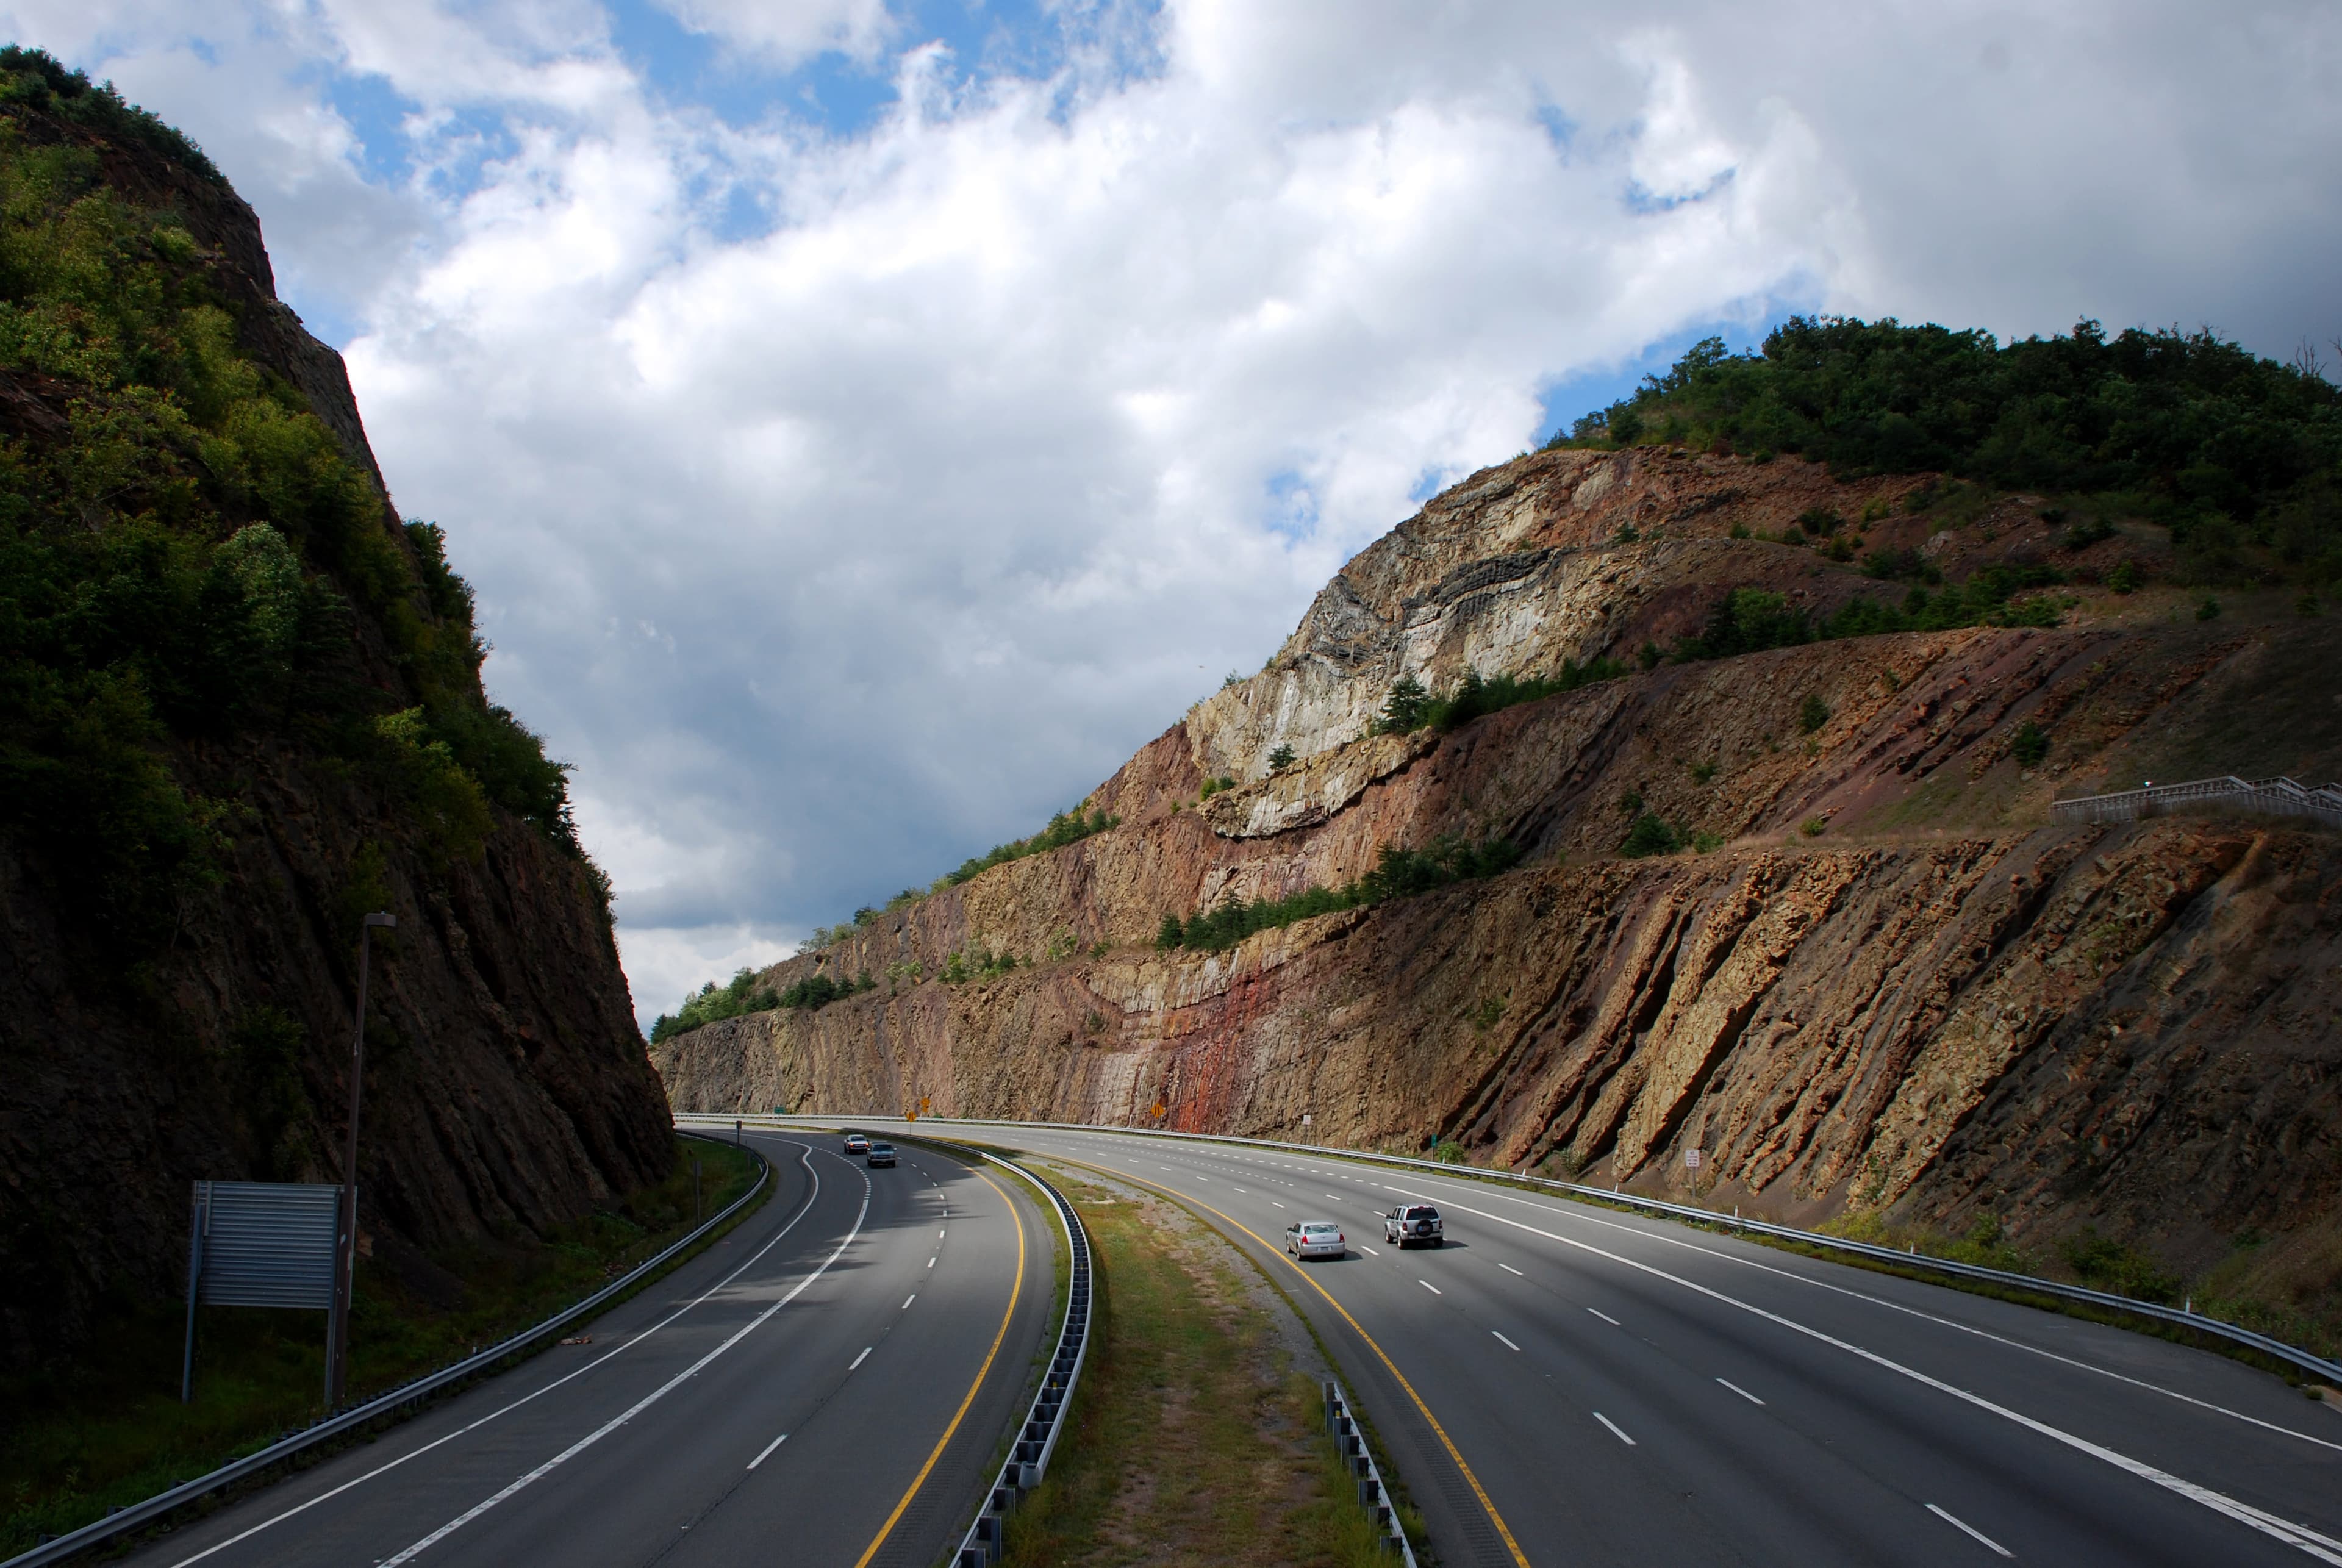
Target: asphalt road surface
1564	1384
829	1384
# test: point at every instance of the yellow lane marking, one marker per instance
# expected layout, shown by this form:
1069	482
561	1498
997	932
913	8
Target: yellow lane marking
1422	1409
1014	1290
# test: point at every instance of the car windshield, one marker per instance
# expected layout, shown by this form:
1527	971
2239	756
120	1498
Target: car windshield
1317	1230
1424	1213
882	1148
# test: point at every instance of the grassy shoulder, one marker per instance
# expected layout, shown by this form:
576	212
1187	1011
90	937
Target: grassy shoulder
108	1429
1195	1439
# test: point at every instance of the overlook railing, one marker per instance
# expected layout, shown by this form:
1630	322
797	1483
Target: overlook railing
2274	797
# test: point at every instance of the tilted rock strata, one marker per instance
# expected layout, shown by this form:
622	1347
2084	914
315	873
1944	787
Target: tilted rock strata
1833	1020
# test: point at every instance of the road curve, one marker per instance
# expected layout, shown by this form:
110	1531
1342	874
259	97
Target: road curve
829	1382
1566	1384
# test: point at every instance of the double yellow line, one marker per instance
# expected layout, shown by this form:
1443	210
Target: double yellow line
1494	1518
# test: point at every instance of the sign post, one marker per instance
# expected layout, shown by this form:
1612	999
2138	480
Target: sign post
268	1244
337	1358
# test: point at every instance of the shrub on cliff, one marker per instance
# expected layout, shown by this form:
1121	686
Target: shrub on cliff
712	1001
1650	835
1398	872
815	992
1410	708
1066	828
2240	457
1752	620
34	78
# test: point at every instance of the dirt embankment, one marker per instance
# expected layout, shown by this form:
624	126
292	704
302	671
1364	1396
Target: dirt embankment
1890	985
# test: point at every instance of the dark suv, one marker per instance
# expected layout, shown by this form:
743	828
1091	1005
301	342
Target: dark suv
881	1154
1410	1224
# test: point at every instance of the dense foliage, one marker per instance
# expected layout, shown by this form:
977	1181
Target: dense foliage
1399	872
1066	828
712	1001
187	555
1410	708
32	79
2240	455
1751	620
745	993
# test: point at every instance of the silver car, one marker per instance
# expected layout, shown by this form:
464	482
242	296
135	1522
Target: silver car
1315	1239
1414	1225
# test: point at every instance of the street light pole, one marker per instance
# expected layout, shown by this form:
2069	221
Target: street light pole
345	1256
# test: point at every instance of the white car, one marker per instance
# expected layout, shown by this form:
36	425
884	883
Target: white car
1315	1239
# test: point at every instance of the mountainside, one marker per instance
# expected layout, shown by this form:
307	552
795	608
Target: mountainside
1784	893
239	707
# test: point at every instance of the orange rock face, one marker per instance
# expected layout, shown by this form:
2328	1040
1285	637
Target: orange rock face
1888	985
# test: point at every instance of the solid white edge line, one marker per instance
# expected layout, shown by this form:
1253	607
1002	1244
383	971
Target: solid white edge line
858	1359
1960	1524
1614	1429
2300	1536
1554	1207
616	1421
768	1450
1740	1391
805	1158
1606	1317
1971	1329
1501	1340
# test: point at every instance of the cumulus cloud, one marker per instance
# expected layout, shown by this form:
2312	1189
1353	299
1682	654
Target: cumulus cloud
846	492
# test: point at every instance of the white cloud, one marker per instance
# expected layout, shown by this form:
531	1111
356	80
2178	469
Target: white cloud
841	539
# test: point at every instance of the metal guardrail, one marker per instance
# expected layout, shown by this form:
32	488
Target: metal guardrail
2274	796
1350	1446
2293	1356
1036	1441
410	1393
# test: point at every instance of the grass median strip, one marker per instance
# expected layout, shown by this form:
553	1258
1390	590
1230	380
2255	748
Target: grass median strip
1194	1437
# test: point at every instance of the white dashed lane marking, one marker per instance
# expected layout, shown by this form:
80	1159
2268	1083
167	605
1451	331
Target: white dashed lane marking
1971	1529
1605	1316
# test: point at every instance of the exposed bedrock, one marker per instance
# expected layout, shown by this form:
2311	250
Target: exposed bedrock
1889	983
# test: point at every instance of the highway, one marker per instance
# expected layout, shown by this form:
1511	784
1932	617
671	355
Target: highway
827	1384
1566	1384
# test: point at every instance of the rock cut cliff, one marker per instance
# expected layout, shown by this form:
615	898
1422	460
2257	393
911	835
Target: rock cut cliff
240	706
1887	985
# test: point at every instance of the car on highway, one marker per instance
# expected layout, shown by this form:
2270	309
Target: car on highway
1411	1224
1315	1239
881	1154
855	1143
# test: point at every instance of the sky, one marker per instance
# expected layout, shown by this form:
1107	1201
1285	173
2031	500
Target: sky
866	421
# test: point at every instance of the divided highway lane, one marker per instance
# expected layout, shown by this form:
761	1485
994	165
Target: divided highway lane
829	1384
1584	1387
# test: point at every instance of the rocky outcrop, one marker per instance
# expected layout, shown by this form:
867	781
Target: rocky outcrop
1890	984
507	1093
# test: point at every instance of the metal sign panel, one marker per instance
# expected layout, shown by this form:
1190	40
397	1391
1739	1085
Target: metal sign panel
266	1243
